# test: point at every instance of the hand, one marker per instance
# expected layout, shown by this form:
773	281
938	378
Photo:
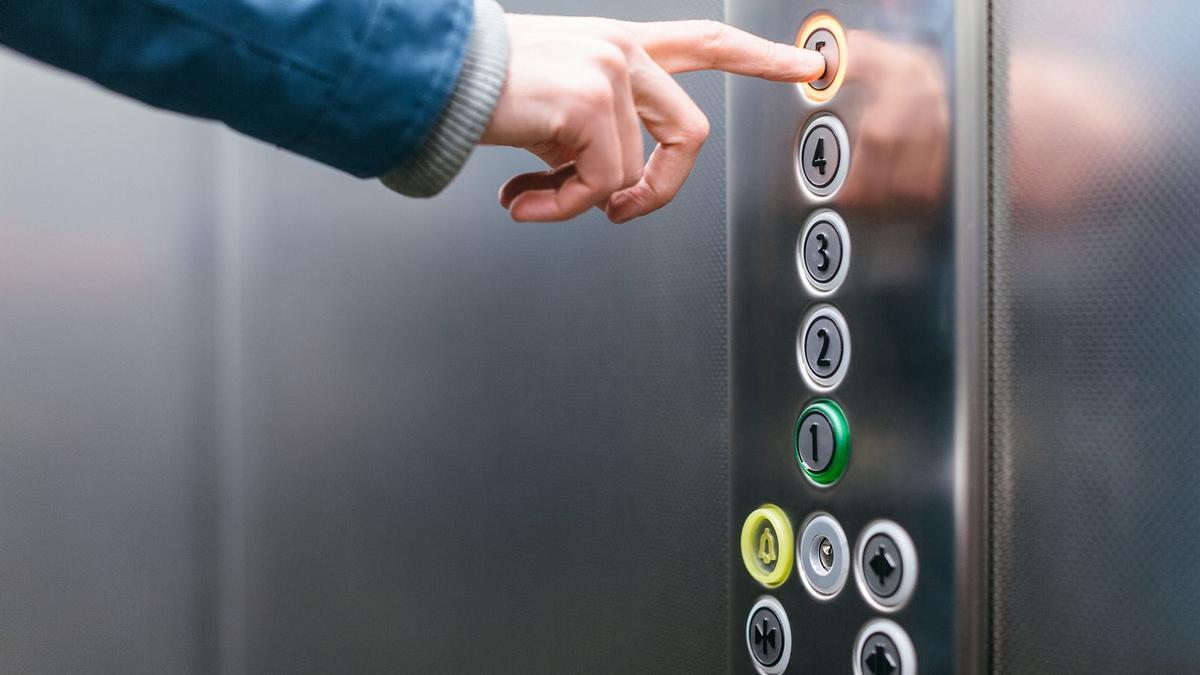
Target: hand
579	91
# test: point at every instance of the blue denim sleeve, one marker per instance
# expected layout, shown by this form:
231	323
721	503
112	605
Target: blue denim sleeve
355	84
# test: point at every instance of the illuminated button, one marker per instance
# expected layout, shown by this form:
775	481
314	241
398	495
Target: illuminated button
823	348
824	42
824	34
769	636
883	648
768	545
823	155
822	442
885	565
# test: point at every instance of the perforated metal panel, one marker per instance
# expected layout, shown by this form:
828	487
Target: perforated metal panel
1096	337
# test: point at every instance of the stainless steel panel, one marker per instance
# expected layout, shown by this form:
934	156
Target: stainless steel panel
1096	361
478	446
107	515
260	417
909	295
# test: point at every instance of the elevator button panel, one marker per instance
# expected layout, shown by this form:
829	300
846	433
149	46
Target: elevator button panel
843	317
769	636
767	545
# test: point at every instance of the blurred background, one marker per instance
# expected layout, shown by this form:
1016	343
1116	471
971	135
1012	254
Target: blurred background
259	416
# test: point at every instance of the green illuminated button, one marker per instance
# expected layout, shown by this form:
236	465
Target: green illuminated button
768	545
822	442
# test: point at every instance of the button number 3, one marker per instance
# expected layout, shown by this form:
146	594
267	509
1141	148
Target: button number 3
823	251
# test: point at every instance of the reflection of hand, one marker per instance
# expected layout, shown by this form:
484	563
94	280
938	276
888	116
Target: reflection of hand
1058	105
901	147
579	90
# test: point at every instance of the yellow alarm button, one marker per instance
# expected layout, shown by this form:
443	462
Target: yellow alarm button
768	545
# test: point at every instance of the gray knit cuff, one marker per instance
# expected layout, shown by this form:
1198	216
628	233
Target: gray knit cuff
467	112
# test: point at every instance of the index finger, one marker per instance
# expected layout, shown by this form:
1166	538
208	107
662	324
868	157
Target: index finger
685	46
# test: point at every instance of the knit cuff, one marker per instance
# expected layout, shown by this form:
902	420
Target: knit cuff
467	112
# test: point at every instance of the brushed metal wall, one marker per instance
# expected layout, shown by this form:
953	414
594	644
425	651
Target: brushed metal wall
256	416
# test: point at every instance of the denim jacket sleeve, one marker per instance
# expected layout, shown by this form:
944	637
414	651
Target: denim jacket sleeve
356	84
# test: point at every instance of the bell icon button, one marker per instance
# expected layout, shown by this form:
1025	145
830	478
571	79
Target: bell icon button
767	545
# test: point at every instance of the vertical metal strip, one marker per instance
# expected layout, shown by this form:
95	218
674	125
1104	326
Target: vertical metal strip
971	172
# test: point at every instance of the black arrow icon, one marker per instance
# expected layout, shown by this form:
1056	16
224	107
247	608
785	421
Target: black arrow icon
880	662
882	565
764	636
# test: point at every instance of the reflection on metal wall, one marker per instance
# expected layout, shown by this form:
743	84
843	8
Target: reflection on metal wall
106	361
1096	364
259	417
478	446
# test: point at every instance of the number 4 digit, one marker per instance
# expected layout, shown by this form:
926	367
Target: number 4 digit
818	160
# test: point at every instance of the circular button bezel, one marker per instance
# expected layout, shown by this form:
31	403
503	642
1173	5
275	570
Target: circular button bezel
769	602
908	557
814	23
821	584
823	288
829	121
784	545
898	636
840	427
823	384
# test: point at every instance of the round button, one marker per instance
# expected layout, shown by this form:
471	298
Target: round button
769	636
823	33
823	347
822	442
886	565
824	556
767	545
883	648
823	40
823	252
822	155
815	444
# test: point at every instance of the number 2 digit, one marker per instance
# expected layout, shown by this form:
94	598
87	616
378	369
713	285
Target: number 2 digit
822	358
